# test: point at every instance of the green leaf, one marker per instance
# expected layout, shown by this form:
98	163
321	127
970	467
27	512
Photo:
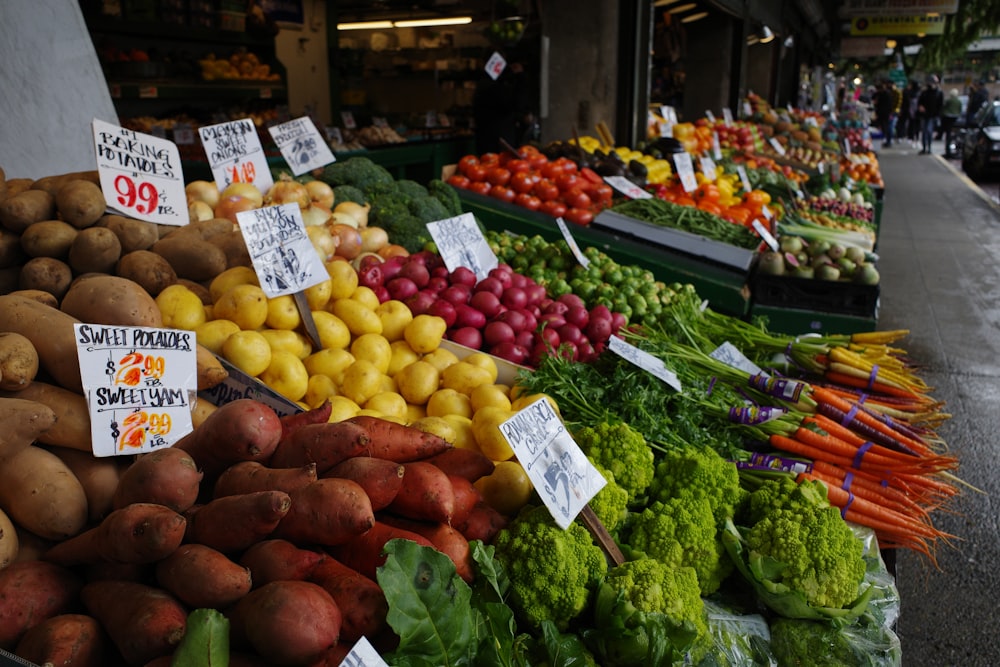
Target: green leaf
205	642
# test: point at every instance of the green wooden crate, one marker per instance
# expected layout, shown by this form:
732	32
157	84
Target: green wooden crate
795	321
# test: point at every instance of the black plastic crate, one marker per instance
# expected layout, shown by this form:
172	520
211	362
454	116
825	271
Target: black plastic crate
827	296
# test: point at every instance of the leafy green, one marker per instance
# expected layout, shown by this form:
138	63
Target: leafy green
206	641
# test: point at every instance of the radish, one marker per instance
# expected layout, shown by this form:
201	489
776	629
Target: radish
486	302
436	284
514	297
549	336
571	300
577	315
440	272
419	302
554	320
463	275
467	316
457	293
467	336
401	288
526	338
511	351
516	319
536	293
497	332
490	284
416	272
445	310
570	333
598	329
558	307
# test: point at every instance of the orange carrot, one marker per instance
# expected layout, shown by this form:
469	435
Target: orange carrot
795	446
399	443
873	453
863	488
864	382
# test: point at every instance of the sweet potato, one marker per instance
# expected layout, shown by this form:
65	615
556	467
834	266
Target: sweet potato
468	463
318	415
200	576
23	421
30	592
18	361
72	427
106	299
10	542
328	511
167	476
233	523
466	497
381	479
80	202
19	211
47	274
425	494
143	622
50	331
250	476
396	442
99	477
362	603
242	430
71	640
364	552
445	539
287	622
482	523
280	560
136	533
325	444
41	494
147	269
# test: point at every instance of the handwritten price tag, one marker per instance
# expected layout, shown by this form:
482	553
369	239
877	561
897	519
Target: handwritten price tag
363	654
716	146
301	145
730	355
627	187
461	243
644	360
744	179
727	115
707	165
495	66
139	383
140	174
347	118
574	248
776	145
766	235
709	116
685	170
235	154
282	254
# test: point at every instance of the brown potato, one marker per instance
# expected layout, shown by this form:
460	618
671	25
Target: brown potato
51	184
42	495
11	252
47	274
106	299
132	234
39	296
234	245
30	206
18	185
199	289
148	269
95	249
80	203
192	258
18	361
49	238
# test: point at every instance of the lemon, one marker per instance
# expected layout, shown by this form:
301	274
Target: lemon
441	358
286	375
359	318
343	280
402	356
395	315
329	362
507	489
213	334
484	361
425	332
489	396
445	402
248	351
486	430
333	332
244	304
439	426
282	313
366	297
318	295
418	381
231	277
180	308
388	403
373	347
342	408
361	381
319	389
463	377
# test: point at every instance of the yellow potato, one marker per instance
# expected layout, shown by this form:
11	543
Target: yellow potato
320	388
486	430
359	318
333	331
415	412
463	377
446	401
343	279
374	348
365	296
418	381
180	308
425	332
439	426
329	362
484	361
342	408
441	358
286	375
388	403
318	295
282	313
507	489
464	437
395	316
244	304
489	395
283	340
402	356
362	380
237	275
248	351
214	333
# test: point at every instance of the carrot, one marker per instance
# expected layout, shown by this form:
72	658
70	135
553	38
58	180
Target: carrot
242	430
859	379
318	415
364	552
143	622
250	476
482	523
380	478
280	560
795	446
866	486
445	539
201	577
66	639
329	511
399	443
882	369
466	497
167	476
325	444
468	463
362	603
836	408
30	592
234	523
137	533
863	452
425	494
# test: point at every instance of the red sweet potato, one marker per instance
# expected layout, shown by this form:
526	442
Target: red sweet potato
362	603
201	577
70	640
167	476
233	523
329	511
325	444
380	478
136	533
482	523
279	560
364	552
318	415
426	494
30	592
461	462
466	497
242	430
250	476
286	622
142	621
397	442
445	539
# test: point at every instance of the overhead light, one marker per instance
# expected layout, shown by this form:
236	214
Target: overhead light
426	23
766	35
789	42
890	44
664	3
691	18
752	39
681	8
365	25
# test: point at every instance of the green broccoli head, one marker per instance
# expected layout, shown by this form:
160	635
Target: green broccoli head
359	171
342	193
701	472
682	531
447	195
428	209
411	188
610	504
623	451
552	572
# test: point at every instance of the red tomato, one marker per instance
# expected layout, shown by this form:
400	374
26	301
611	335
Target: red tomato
568	165
498	175
554	208
567	181
602	193
545	190
522	181
537	160
482	187
490	159
476	172
576	198
518	164
528	201
551	170
579	216
502	193
467	161
591	176
459	181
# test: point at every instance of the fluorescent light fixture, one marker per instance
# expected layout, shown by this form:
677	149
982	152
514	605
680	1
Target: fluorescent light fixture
426	23
691	18
365	25
681	8
766	35
664	3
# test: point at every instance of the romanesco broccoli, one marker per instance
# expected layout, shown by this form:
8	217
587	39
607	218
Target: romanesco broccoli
552	572
821	644
702	472
610	504
623	451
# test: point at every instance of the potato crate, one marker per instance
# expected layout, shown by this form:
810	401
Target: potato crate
812	294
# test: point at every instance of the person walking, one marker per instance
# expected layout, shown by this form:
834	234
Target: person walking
950	111
908	113
929	110
884	103
978	97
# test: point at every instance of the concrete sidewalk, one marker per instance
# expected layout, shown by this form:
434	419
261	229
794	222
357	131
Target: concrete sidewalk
939	247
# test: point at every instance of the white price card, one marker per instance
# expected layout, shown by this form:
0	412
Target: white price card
563	476
627	187
363	654
821	168
183	134
347	118
744	179
460	242
709	116
669	114
644	360
730	355
140	175
847	146
707	166
747	110
727	115
334	135
495	66
776	145
235	154
301	144
139	383
582	259
716	146
282	254
685	171
766	235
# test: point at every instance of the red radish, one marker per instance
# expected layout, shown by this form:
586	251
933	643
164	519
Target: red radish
381	293
467	336
391	266
554	320
586	350
535	292
530	319
420	302
525	338
486	302
439	272
373	276
539	352
458	293
570	333
467	316
549	336
514	297
497	332
571	299
416	272
490	284
618	320
600	310
437	284
463	275
515	318
520	280
568	350
598	330
510	351
401	288
577	315
557	307
445	310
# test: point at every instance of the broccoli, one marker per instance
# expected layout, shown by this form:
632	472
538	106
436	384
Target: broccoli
428	209
360	172
821	644
610	504
411	188
552	572
390	211
700	471
649	613
682	531
447	195
342	193
623	451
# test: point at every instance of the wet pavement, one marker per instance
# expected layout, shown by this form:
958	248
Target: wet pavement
939	247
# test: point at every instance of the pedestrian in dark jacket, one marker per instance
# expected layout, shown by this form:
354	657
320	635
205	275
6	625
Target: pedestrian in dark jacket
885	103
978	97
908	113
929	109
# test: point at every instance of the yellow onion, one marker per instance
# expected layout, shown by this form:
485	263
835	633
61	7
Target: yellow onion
373	239
324	242
200	210
246	190
315	215
355	210
320	193
343	219
204	191
349	243
230	205
287	191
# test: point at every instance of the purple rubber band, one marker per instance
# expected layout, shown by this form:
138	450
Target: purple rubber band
862	450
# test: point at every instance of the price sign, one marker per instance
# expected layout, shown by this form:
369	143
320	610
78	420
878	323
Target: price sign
495	66
334	135
563	476
669	114
821	168
627	187
716	146
235	154
139	383
727	115
183	134
347	118
709	116
847	146
644	360
730	355
574	248
766	235
707	166
776	145
461	243
363	654
685	171
747	110
140	174
282	254
301	145
744	179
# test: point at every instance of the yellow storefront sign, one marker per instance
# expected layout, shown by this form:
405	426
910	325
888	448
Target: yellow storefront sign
888	26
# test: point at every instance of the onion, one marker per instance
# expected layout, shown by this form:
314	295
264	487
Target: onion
355	210
247	190
373	239
324	242
288	192
315	215
349	244
204	191
230	205
344	219
199	210
320	193
393	250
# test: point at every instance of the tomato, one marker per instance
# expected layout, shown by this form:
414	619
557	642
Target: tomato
545	190
602	193
568	165
522	181
476	172
553	208
459	181
591	176
502	193
467	161
551	170
482	187
579	216
567	181
537	160
577	198
490	159
498	175
528	201
517	165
